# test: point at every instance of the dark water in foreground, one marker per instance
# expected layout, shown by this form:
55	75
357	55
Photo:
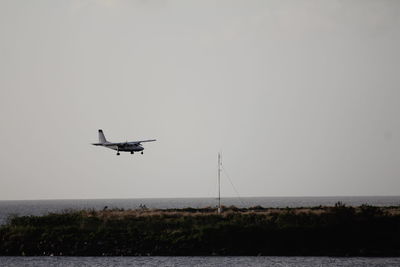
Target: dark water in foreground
40	207
197	261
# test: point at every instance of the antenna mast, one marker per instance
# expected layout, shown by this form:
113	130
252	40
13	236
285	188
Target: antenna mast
219	182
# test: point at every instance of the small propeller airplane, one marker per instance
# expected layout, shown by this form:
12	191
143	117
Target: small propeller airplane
134	146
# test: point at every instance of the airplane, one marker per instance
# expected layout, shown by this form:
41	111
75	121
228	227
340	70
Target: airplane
134	146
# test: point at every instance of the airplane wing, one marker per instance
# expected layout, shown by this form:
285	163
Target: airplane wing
121	144
143	141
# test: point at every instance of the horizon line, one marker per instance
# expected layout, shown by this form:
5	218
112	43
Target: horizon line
208	197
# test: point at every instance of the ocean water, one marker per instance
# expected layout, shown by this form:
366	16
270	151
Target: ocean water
40	207
197	261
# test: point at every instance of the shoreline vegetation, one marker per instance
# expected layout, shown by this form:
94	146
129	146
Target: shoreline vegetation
338	230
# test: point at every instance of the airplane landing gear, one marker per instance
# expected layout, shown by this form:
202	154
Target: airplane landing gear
117	153
132	152
141	152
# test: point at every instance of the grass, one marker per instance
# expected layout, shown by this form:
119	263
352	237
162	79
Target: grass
321	231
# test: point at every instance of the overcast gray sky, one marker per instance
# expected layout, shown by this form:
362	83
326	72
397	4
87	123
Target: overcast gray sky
302	97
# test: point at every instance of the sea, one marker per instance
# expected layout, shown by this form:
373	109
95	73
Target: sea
9	208
198	261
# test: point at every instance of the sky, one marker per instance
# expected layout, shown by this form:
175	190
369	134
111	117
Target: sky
300	96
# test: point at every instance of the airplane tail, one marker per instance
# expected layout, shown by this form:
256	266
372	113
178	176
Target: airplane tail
102	138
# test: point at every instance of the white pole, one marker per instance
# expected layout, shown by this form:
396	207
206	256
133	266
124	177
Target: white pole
219	187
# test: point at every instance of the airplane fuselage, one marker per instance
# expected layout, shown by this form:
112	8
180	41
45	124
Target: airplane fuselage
127	148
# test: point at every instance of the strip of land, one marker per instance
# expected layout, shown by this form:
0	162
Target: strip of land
318	231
